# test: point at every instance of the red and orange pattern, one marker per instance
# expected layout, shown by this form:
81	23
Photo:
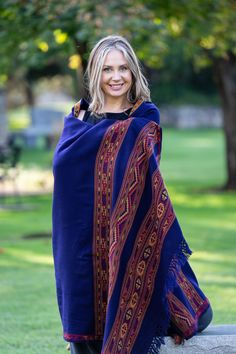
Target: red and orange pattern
103	179
129	196
104	169
196	301
180	315
142	267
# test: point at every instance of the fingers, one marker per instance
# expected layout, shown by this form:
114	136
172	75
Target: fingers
178	339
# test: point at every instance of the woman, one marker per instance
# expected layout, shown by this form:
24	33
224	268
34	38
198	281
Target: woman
122	275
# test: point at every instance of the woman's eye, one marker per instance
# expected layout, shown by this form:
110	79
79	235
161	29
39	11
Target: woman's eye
122	69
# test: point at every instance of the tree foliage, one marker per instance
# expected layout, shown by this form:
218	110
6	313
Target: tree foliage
204	27
34	32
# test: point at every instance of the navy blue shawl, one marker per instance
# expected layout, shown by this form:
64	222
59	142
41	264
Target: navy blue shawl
121	268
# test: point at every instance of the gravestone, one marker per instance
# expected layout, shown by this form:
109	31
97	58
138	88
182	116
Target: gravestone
46	123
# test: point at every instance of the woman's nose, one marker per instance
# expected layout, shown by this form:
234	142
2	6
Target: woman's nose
116	75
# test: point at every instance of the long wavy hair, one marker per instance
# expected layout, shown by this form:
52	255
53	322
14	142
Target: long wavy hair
139	88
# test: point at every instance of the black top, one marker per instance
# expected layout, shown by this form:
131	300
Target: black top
89	116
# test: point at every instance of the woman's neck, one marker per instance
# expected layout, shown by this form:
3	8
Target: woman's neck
116	106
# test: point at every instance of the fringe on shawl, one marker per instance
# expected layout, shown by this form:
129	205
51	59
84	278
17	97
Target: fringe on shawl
177	262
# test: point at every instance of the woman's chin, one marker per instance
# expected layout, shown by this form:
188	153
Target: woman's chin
114	93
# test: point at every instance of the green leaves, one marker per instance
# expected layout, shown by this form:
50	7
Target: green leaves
206	28
34	32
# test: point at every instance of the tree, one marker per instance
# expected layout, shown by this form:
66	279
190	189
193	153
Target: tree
205	29
37	32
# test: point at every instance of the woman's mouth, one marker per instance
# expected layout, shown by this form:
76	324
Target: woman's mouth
116	87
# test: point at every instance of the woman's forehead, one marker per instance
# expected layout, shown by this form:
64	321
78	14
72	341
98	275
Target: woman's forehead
115	57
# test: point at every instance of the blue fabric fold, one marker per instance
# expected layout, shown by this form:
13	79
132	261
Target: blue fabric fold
121	260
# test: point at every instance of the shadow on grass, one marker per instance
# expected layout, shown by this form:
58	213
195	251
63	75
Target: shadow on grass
38	235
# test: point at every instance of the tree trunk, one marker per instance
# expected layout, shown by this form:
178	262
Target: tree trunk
226	75
82	49
3	118
29	93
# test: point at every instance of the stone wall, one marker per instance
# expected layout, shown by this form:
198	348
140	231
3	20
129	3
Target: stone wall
218	339
190	116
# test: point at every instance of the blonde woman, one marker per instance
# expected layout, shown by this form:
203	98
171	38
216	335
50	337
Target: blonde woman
121	262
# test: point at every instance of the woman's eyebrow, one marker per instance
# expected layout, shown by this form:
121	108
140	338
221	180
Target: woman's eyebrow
110	66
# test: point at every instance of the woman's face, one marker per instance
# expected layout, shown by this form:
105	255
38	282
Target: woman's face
116	77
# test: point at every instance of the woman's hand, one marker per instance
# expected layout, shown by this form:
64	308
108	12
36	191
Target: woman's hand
177	339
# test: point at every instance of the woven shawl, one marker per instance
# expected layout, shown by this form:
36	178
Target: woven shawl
121	261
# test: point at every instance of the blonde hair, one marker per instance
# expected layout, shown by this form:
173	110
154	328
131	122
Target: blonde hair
139	88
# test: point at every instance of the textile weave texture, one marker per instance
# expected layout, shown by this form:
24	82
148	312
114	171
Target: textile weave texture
121	260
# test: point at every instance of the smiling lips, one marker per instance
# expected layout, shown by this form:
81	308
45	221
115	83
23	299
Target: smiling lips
116	87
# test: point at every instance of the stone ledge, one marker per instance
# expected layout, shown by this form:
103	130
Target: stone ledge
190	116
219	339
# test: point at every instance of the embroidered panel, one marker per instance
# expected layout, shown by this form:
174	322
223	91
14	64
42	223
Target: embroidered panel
103	179
80	337
181	316
197	303
138	283
130	195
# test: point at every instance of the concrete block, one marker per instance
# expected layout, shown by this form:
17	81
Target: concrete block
219	339
190	116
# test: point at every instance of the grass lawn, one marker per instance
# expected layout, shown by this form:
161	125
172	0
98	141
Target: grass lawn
192	163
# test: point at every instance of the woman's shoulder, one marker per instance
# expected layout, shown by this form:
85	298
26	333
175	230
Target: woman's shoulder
151	105
80	108
81	114
151	111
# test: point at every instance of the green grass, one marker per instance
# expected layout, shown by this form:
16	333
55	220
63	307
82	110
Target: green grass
19	118
40	158
29	316
192	164
193	167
